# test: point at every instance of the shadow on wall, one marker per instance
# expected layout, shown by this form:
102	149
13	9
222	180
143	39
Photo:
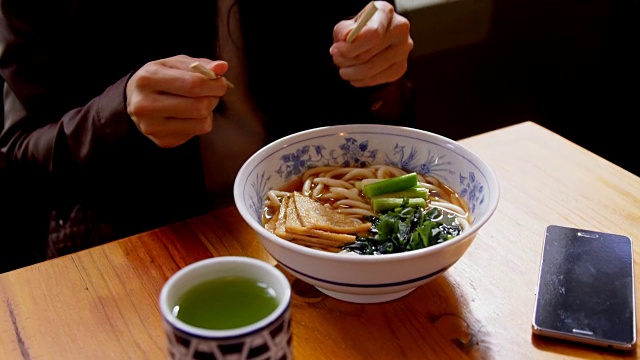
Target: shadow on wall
570	66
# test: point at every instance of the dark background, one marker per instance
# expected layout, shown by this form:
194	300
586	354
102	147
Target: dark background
571	66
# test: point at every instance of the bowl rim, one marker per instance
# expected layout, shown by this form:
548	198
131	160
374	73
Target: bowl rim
276	145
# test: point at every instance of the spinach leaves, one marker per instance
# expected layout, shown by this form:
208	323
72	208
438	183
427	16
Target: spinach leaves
405	228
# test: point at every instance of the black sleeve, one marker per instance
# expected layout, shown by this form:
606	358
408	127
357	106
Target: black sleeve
55	118
66	134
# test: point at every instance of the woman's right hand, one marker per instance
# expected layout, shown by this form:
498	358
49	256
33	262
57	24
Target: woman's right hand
170	103
379	54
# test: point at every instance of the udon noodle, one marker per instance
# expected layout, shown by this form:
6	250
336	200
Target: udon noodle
338	191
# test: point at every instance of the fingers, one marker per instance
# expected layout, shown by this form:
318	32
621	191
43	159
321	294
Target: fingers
372	42
183	62
386	66
379	53
391	73
168	133
174	76
170	103
378	22
361	20
170	121
157	105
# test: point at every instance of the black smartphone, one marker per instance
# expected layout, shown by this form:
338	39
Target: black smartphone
586	288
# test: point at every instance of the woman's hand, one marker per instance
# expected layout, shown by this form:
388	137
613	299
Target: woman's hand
170	103
379	53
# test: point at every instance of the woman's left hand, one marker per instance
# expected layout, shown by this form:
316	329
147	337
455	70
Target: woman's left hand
379	53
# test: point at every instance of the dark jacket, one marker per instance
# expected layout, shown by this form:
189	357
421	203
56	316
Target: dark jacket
73	153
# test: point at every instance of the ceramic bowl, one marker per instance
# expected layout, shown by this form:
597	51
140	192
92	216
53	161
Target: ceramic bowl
366	278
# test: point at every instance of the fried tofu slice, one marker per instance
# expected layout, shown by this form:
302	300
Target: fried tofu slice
294	225
280	220
287	214
271	224
313	215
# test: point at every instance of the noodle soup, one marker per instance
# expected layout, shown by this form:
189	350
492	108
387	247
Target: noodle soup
338	271
326	208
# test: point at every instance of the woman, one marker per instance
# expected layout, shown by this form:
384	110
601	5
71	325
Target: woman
108	132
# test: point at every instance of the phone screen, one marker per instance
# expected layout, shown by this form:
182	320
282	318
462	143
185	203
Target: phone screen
586	288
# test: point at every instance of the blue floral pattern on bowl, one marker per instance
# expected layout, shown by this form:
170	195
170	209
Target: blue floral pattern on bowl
358	153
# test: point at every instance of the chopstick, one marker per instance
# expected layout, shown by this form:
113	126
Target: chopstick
199	68
362	20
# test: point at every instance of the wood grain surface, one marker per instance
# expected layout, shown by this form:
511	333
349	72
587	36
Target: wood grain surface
102	303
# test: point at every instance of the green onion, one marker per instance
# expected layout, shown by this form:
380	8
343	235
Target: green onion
380	204
414	192
398	183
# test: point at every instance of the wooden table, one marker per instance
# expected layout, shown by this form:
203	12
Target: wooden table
102	303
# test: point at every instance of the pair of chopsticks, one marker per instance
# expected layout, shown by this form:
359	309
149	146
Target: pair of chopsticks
362	19
199	68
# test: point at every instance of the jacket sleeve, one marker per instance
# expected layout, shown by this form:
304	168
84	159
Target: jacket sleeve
48	127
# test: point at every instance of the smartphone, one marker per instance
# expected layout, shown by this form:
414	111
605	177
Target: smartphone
586	288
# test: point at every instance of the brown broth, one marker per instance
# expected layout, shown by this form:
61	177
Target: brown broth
447	194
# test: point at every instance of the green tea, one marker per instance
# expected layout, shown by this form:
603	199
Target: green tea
226	303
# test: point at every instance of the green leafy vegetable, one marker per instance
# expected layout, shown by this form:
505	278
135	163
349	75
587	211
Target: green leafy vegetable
405	228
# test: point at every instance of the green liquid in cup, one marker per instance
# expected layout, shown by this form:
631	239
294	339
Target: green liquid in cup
226	303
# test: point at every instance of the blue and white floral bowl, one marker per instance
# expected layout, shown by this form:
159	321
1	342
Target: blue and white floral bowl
366	278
